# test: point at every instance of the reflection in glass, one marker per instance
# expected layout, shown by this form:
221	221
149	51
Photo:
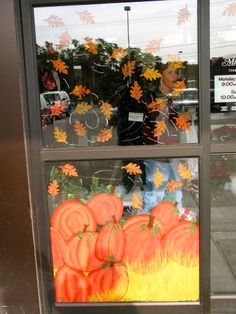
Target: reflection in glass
223	222
127	71
124	230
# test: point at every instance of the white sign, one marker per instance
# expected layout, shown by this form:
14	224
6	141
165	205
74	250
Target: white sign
135	116
225	88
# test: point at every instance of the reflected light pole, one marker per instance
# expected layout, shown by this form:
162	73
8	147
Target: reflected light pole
127	9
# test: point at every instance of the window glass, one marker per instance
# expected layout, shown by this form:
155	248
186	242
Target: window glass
124	230
223	71
118	74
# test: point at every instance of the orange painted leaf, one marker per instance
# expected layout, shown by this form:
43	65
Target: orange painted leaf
132	168
82	108
136	91
54	21
119	53
157	104
80	90
151	74
179	88
153	46
230	10
53	188
183	15
64	40
87	17
79	128
69	170
137	201
60	66
60	135
160	128
57	109
182	122
184	172
173	185
91	46
105	135
158	178
128	68
106	109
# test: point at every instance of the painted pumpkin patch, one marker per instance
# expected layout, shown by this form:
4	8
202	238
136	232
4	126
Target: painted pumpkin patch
58	246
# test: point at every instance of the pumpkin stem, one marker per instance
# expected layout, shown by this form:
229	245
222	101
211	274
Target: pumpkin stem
112	264
175	203
113	189
85	227
114	219
151	221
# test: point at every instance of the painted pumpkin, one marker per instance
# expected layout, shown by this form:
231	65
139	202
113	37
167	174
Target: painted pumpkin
144	251
70	217
80	252
104	206
110	242
182	243
167	214
71	285
109	283
58	246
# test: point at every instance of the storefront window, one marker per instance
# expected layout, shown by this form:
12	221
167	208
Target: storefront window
118	74
125	230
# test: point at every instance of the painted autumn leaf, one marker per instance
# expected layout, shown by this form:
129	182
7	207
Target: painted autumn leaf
153	46
158	178
183	15
157	104
60	66
132	168
230	10
119	53
79	128
182	122
128	68
160	128
53	188
54	21
57	109
69	170
106	109
179	88
177	64
184	172
137	201
87	17
151	74
91	46
173	185
83	107
136	91
80	90
60	135
105	135
64	40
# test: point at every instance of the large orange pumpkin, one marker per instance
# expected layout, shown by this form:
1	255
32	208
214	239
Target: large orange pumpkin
71	285
80	252
113	278
70	217
58	246
144	250
104	206
182	243
167	214
110	242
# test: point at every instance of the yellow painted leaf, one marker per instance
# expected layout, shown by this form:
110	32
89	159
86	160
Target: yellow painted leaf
53	188
119	53
82	108
177	64
137	202
80	90
151	74
160	128
179	88
60	66
158	178
128	68
132	168
184	172
79	128
60	135
91	46
173	185
106	109
105	135
182	122
69	170
136	91
157	104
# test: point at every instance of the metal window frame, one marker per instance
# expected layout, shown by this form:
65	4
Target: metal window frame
37	156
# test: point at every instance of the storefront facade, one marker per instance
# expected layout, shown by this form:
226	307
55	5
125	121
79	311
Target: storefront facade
129	135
